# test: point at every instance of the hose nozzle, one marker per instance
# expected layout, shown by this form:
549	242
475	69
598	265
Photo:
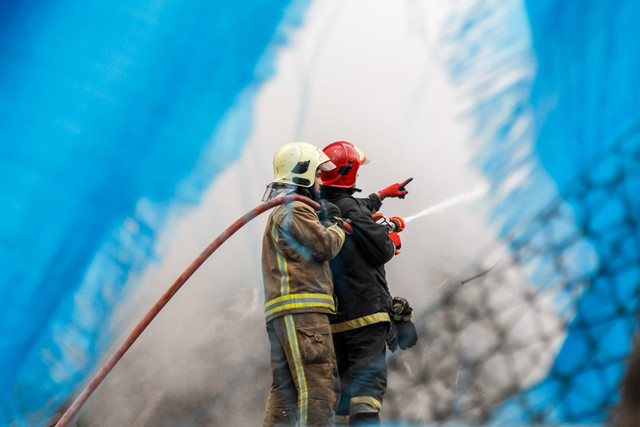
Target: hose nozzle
397	224
394	223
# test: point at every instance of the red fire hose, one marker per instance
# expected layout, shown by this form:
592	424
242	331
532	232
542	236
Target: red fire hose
108	366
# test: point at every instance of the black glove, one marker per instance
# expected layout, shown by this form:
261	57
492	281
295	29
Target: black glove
407	335
329	211
401	313
392	336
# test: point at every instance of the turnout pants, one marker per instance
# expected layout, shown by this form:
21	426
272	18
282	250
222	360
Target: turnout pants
305	383
361	356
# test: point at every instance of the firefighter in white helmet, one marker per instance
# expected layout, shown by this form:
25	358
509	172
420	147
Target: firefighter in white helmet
296	249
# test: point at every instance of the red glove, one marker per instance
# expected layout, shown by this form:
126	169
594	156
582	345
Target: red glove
395	237
395	190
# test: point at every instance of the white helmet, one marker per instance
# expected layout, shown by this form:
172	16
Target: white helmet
296	163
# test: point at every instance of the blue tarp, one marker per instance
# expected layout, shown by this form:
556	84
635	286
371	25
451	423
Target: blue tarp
105	111
586	122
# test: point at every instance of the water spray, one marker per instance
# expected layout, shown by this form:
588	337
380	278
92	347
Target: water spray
453	201
109	364
468	196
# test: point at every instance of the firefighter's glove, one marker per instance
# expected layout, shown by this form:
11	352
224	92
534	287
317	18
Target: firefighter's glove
400	309
392	336
396	241
328	211
407	335
395	190
401	313
329	215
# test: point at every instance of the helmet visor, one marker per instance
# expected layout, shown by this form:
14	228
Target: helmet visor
326	166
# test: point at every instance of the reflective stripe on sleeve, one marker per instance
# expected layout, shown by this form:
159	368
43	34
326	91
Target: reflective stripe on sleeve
340	231
342	419
282	263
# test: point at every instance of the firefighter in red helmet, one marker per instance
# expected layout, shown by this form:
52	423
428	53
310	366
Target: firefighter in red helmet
363	326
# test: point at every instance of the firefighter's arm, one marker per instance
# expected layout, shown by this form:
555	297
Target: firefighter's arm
371	238
323	242
373	202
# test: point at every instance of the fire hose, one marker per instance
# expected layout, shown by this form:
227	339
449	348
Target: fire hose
151	314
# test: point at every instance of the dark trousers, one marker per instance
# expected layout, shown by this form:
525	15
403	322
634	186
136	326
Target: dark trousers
305	384
361	356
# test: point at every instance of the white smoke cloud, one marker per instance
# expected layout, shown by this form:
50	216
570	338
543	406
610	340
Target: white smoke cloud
370	72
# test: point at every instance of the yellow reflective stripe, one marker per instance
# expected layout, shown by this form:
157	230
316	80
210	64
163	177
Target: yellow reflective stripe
342	419
340	230
282	263
371	401
300	296
360	322
295	301
303	394
298	305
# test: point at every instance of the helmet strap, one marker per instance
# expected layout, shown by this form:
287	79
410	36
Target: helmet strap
309	192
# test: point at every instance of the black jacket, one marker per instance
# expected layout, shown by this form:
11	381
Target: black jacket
358	270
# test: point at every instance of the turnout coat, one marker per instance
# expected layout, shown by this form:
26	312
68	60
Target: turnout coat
296	249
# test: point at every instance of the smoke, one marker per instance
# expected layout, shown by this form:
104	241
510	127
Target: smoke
372	75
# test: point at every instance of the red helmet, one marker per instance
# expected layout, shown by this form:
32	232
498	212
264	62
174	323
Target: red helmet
347	158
